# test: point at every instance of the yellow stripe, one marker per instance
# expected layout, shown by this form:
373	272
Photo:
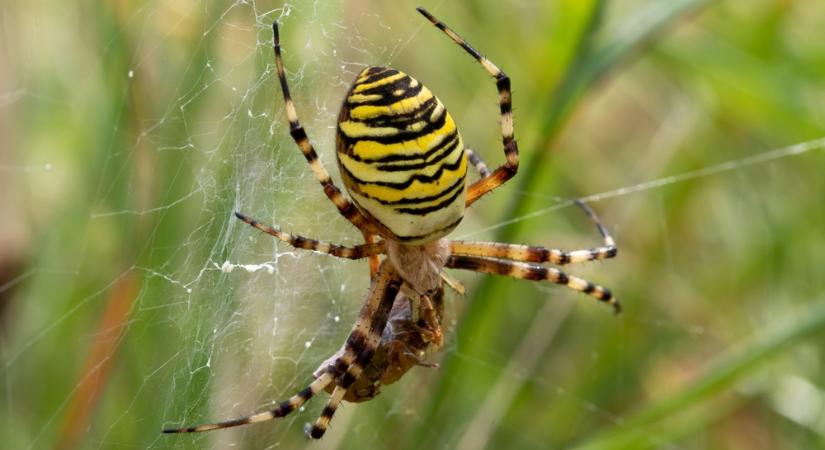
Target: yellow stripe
356	130
406	105
420	145
370	172
416	189
363	98
381	82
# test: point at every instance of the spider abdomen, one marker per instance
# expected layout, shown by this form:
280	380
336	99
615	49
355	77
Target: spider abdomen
401	156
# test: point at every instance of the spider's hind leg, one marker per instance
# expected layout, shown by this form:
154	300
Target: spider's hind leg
358	351
295	402
534	272
361	343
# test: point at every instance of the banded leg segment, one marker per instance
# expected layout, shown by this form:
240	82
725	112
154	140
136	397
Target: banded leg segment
360	346
356	252
477	163
295	402
528	253
527	271
510	166
296	130
363	341
373	260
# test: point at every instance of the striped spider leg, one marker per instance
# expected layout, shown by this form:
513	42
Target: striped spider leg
404	165
507	170
344	205
519	261
341	372
477	163
479	258
404	345
405	339
296	130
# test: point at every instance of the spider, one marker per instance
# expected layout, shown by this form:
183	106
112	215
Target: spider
405	165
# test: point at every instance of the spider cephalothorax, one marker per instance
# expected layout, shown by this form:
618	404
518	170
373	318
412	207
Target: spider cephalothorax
404	164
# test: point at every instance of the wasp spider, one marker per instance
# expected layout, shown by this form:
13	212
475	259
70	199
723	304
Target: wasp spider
404	165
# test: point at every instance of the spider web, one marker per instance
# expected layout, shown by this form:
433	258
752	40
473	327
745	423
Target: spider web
222	321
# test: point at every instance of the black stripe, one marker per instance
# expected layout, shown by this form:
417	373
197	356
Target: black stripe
385	89
448	140
561	278
283	409
328	411
405	184
503	84
315	432
429	162
429	209
339	367
298	134
306	393
417	200
400	120
461	262
388	97
403	121
357	341
400	136
375	74
347	379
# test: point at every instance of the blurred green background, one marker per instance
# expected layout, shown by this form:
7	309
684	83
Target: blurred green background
129	132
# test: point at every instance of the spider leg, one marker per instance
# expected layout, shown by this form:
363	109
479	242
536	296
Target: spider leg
453	283
296	130
363	340
373	260
477	163
528	271
608	240
510	167
368	250
528	253
360	346
295	402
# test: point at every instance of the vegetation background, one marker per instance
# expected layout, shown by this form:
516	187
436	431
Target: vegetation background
130	131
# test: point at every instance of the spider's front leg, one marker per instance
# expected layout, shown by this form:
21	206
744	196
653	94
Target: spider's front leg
508	170
345	207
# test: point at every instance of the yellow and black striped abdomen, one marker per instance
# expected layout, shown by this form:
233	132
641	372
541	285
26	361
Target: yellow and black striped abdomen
401	156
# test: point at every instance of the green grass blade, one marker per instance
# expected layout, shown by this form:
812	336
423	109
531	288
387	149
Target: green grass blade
729	368
592	64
